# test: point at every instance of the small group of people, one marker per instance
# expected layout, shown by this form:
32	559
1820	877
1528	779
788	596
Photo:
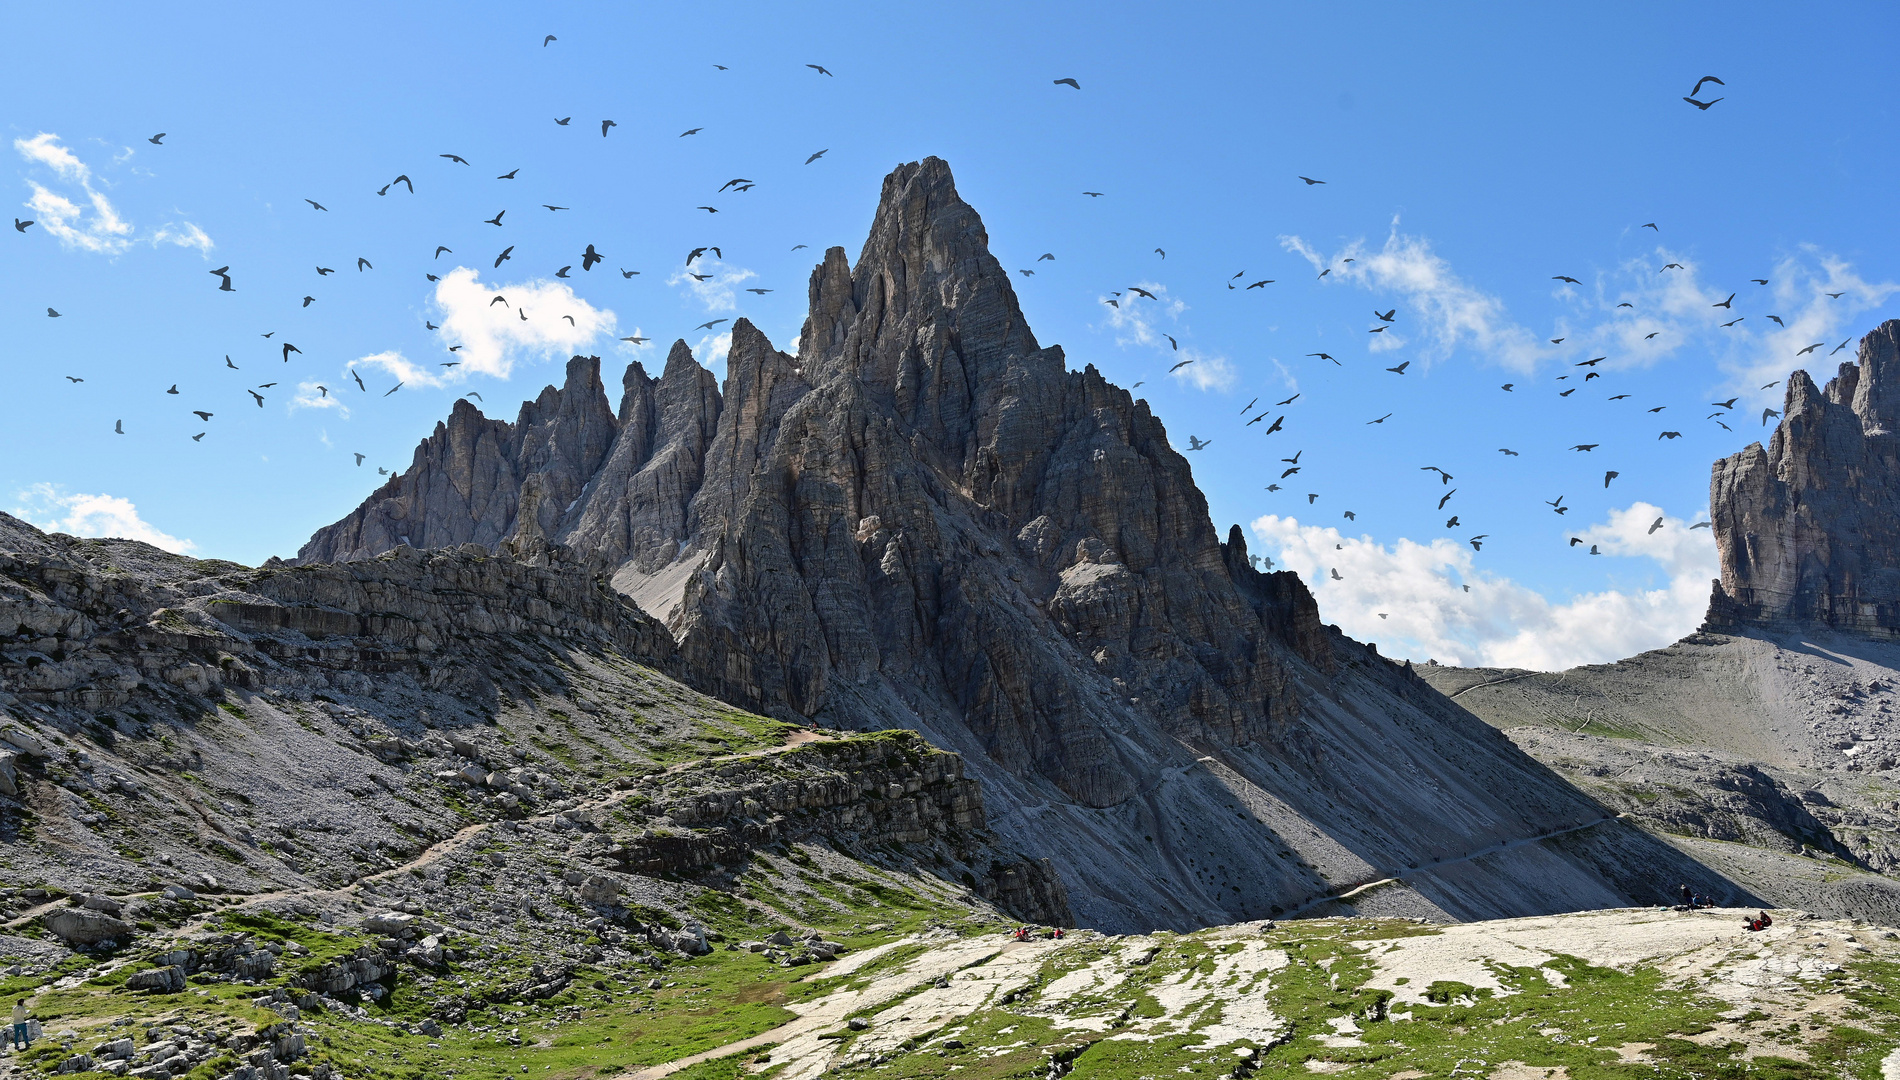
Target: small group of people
1761	921
1691	900
1024	933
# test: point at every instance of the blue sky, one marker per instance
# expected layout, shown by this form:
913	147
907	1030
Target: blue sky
1469	155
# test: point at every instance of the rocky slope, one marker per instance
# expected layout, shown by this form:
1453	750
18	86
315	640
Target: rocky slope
1806	526
927	520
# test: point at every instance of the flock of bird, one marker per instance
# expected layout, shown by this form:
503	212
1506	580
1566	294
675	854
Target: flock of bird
1124	299
1384	320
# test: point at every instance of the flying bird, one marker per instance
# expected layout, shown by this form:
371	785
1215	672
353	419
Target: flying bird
1049	255
1507	386
1571	280
363	264
509	175
1142	292
324	271
683	134
715	322
1651	224
507	253
258	396
1380	420
628	273
1706	79
1447	498
405	182
1400	370
1093	194
72	379
495	221
760	292
21	226
563	122
1729	404
552	208
1593	362
392	389
1729	304
1172	344
1476	546
1836	295
589	258
1445	476
1310	181
604	125
1258	284
1323	356
359	381
1837	348
1336	576
1161	253
118	426
819	68
1509	453
224	274
51	314
497	299
1811	348
229	364
1195	443
201	415
818	155
288	349
637	340
308	300
1766	413
1672	266
359	461
154	139
1388	316
1179	366
1732	322
1653	526
1777	321
1586	447
1660	408
708	209
314	203
1703	105
1700	525
562	272
547	40
1609	476
1068	82
1759	280
455	158
1288	401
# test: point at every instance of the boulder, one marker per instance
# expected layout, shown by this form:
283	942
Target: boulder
83	927
164	980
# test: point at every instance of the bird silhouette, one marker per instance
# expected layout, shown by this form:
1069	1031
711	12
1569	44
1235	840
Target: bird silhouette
1586	447
1093	194
562	272
201	415
1400	370
683	134
548	40
1729	303
1811	348
308	300
405	182
496	220
628	273
1777	321
818	68
73	379
363	264
21	226
1322	356
359	461
1729	404
1476	546
1310	181
1068	82
314	203
1447	498
563	122
760	292
1509	453
1387	316
455	158
589	258
1380	420
1609	476
1766	413
118	426
1195	443
604	125
1179	366
229	364
1703	105
710	325
1700	525
1161	253
1837	348
288	349
154	140
1571	280
1336	576
553	208
507	253
509	175
51	314
359	381
1507	387
258	396
1444	477
223	273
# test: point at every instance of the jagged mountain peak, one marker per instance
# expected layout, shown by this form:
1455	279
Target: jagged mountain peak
925	520
1804	525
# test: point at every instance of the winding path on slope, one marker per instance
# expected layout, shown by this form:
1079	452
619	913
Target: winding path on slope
442	848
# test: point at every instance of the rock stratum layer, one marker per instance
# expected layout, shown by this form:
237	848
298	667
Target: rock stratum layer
926	520
1806	526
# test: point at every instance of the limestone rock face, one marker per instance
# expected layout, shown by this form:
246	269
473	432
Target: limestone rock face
1805	526
926	520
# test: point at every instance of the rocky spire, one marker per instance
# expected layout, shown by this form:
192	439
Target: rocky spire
926	520
1805	527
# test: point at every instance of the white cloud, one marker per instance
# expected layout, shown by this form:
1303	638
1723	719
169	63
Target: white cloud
1133	316
712	349
393	362
719	291
1420	588
1204	371
53	509
1448	310
98	229
493	333
313	395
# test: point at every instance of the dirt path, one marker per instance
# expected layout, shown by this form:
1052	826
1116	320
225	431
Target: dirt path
449	845
1354	890
1494	682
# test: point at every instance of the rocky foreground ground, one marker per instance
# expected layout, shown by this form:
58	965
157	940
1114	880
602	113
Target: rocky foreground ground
938	989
